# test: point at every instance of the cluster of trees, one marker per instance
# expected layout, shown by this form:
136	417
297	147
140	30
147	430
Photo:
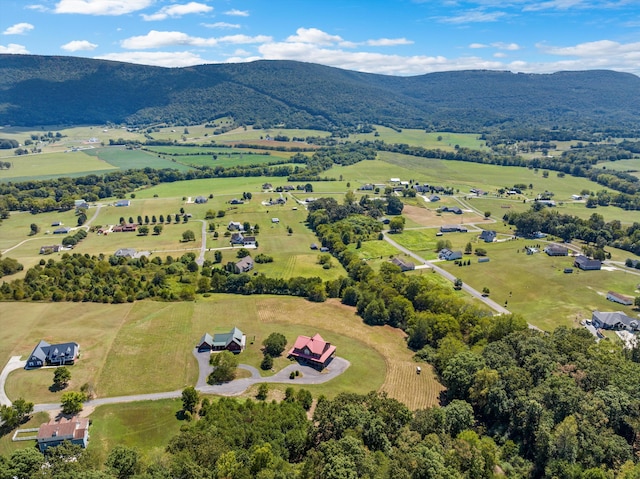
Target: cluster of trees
594	230
8	144
9	266
273	347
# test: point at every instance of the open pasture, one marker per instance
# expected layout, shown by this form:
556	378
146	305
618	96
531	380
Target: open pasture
415	137
536	287
50	165
428	216
125	159
128	349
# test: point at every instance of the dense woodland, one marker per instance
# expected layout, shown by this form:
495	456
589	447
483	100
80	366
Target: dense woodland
34	89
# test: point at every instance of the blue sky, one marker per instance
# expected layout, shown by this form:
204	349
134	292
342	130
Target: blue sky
395	37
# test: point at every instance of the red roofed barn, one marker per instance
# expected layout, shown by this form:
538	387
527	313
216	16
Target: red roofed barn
314	351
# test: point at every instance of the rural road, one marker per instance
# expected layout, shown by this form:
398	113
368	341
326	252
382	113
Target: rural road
233	388
465	287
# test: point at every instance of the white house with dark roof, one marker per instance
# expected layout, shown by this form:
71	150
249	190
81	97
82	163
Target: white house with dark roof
234	341
616	320
45	354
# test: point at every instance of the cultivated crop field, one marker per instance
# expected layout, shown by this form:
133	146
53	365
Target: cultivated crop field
430	140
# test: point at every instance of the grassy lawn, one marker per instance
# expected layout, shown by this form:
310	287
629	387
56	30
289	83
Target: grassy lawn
536	287
7	446
146	426
126	349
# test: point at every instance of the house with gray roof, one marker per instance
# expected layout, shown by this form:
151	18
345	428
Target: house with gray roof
244	265
616	320
587	264
556	250
234	341
403	264
488	236
449	255
45	354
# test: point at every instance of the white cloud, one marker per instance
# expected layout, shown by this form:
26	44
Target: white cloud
499	55
79	45
554	5
37	8
237	13
14	48
315	36
473	16
176	11
506	46
156	39
220	25
389	42
18	29
101	7
477	45
161	59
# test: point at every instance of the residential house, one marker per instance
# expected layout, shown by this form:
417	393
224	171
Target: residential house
63	230
367	187
201	200
237	238
45	354
576	197
449	255
549	203
82	206
531	250
244	265
53	433
556	250
56	223
451	209
234	341
453	229
488	236
79	203
616	320
267	186
324	249
54	248
235	226
249	241
313	246
122	203
403	264
434	198
313	351
236	201
587	264
619	298
288	188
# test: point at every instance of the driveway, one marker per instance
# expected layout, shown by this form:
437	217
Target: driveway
13	364
308	375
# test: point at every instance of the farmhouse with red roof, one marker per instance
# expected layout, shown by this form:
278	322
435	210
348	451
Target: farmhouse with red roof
314	351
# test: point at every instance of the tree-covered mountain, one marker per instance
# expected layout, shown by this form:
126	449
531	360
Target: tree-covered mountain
39	90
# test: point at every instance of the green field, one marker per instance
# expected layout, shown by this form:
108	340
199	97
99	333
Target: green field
47	165
536	287
126	349
124	159
414	137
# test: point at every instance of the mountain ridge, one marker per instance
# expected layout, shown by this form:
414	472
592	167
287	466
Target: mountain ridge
37	90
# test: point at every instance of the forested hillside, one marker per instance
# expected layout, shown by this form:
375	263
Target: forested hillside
38	90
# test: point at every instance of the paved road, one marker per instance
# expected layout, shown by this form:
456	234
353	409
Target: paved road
233	388
465	287
13	364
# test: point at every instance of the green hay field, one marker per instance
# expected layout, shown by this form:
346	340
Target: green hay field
124	159
128	349
47	165
429	140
